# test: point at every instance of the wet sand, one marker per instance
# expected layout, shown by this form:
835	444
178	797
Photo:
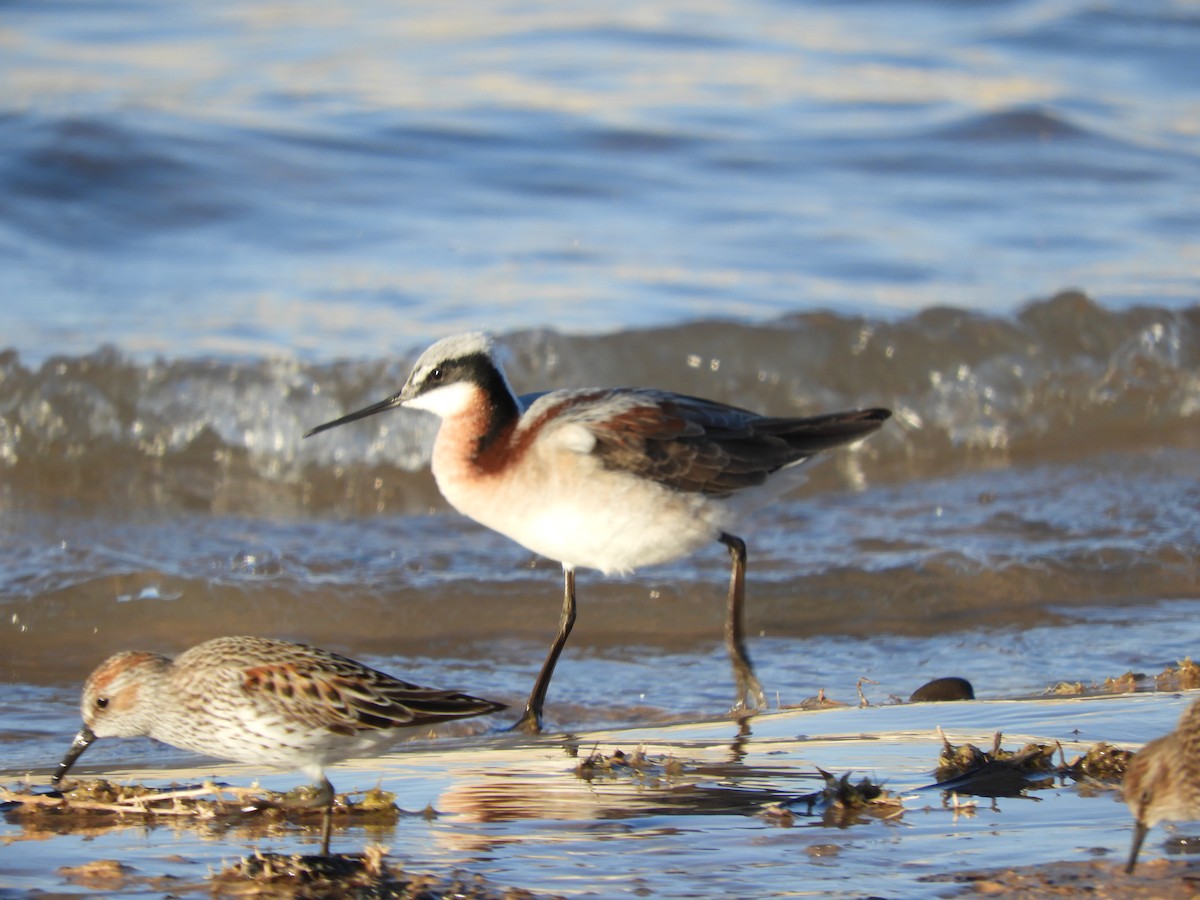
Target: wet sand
506	813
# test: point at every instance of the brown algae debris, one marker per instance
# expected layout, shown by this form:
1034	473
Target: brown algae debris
1066	689
637	765
966	769
820	701
91	801
368	874
1183	677
110	876
101	874
840	803
1123	684
1102	762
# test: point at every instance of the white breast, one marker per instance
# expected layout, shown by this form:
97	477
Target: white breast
561	503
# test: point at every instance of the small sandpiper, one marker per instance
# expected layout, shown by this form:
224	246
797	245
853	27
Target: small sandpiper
263	702
608	478
1162	782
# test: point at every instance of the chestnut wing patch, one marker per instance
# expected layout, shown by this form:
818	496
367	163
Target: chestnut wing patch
342	696
695	445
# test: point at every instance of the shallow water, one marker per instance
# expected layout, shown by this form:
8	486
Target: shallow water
515	811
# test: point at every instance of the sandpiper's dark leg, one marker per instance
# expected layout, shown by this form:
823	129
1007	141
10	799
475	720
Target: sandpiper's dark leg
749	692
327	796
531	721
324	796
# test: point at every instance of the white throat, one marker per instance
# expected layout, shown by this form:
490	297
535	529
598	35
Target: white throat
446	401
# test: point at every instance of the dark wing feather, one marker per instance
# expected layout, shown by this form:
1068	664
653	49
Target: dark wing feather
324	690
691	444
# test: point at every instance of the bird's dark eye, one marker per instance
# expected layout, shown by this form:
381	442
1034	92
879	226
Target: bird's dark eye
101	702
437	374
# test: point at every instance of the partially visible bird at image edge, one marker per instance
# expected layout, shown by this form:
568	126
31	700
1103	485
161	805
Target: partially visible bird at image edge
1162	782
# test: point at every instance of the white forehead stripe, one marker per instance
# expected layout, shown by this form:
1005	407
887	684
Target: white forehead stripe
457	346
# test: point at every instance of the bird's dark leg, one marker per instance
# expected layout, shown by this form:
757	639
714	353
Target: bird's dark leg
531	721
749	692
324	797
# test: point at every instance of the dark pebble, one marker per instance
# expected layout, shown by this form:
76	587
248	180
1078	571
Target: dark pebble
943	689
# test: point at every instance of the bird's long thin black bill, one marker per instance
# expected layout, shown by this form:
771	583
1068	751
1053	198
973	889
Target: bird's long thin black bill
381	406
1139	835
82	741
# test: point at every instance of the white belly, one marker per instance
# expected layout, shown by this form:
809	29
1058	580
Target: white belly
584	516
616	530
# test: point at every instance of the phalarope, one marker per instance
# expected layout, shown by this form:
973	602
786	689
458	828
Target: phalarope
608	478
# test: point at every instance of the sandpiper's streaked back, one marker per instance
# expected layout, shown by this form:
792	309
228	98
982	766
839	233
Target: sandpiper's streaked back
1162	782
608	478
260	701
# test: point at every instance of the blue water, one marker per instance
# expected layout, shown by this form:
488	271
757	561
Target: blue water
249	180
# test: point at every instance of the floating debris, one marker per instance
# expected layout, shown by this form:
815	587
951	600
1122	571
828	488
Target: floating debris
1123	684
960	807
1066	689
862	698
1184	676
368	874
638	765
820	701
840	803
102	874
1102	762
99	801
996	773
966	769
110	876
263	875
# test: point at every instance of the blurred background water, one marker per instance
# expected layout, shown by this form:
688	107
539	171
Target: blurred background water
224	223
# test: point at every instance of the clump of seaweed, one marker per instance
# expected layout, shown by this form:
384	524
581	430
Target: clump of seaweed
637	765
1183	676
966	769
1066	688
92	802
277	875
1102	762
100	875
996	773
819	701
840	803
1123	684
